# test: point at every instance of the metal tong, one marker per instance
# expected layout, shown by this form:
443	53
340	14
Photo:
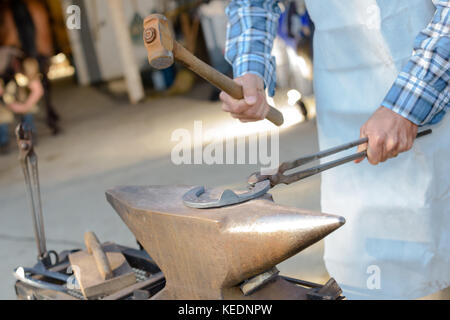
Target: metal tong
259	184
280	178
28	161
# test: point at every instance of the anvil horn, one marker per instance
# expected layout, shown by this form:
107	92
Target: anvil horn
205	254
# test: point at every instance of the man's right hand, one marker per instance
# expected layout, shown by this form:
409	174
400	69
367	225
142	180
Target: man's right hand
254	106
36	92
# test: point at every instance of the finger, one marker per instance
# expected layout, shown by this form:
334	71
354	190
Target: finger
251	95
410	144
226	107
233	105
227	99
372	156
391	148
242	117
375	152
361	147
405	144
410	140
263	110
251	91
252	119
256	112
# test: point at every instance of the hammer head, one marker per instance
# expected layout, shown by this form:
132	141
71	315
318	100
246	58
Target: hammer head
158	40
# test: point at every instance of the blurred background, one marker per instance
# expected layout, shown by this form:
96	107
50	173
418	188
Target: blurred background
101	116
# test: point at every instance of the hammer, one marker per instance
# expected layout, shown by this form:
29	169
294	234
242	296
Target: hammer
163	49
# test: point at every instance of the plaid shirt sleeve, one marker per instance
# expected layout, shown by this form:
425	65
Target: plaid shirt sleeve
421	91
251	30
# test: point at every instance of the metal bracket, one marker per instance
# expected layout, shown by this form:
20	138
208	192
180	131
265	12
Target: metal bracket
330	291
253	284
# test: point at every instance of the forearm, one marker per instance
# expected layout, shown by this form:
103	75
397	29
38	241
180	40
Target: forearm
251	31
421	91
36	92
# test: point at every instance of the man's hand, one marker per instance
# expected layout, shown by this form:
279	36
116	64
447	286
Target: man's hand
36	92
19	108
254	106
389	134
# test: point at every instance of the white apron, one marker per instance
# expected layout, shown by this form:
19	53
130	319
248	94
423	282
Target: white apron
396	241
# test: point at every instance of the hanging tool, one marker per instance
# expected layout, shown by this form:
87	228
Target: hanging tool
163	49
259	184
101	269
29	162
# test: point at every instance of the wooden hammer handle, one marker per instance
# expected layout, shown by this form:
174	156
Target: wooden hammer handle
101	260
218	79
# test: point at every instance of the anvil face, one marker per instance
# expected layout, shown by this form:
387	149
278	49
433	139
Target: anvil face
206	253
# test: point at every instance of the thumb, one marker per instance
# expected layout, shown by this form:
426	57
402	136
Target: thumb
250	90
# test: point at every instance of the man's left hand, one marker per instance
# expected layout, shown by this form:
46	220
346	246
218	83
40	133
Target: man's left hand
389	134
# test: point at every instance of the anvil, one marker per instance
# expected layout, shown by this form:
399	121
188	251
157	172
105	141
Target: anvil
208	253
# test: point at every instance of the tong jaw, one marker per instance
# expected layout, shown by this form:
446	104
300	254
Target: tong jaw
24	142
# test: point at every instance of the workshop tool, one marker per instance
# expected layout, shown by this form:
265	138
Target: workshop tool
26	275
29	162
154	280
101	270
329	291
22	274
59	284
163	49
208	254
46	273
259	184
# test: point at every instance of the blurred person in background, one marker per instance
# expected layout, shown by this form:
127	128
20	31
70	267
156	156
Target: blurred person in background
20	80
26	26
381	70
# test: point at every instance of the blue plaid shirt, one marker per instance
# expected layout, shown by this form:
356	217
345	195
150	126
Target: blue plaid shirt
420	93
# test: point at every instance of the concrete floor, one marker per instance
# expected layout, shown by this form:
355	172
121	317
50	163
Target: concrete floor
107	142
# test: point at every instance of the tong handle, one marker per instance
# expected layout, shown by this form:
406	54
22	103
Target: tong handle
419	134
279	177
287	179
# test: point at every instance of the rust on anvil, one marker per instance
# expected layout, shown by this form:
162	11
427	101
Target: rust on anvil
206	254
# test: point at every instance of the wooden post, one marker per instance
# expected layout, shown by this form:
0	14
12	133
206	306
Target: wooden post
130	68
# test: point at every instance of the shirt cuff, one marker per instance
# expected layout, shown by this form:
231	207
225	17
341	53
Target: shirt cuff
260	64
414	99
